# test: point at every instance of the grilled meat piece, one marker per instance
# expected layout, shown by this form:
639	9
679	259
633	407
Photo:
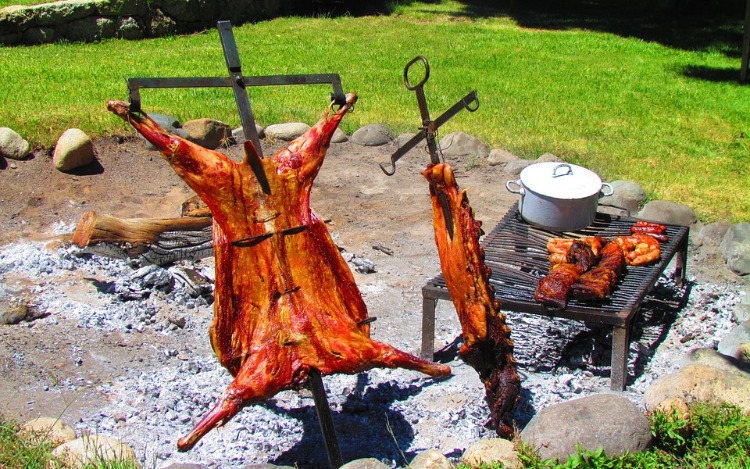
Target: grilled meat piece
558	247
639	248
654	229
553	289
285	300
487	346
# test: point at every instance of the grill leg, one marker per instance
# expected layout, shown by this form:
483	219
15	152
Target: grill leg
620	348
428	326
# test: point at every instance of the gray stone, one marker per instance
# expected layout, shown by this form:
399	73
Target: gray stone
627	195
405	137
161	24
672	213
13	314
73	150
463	147
49	429
430	459
286	132
186	465
87	29
372	135
208	133
128	28
600	421
549	157
266	466
123	7
498	156
93	449
742	310
710	235
238	134
339	136
703	382
514	167
63	12
12	145
492	450
366	463
731	344
168	123
39	35
735	248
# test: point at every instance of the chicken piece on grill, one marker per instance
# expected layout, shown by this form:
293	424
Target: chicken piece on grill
487	346
285	300
558	247
639	248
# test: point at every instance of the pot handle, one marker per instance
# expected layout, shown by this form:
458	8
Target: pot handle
516	182
602	193
561	165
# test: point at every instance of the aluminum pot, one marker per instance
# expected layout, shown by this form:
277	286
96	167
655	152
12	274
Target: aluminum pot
559	196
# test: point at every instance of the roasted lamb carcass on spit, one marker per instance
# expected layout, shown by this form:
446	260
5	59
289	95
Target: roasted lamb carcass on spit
487	346
285	300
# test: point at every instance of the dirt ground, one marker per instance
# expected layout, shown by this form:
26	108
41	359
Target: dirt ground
367	210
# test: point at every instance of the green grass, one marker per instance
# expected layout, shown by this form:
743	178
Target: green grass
632	97
5	3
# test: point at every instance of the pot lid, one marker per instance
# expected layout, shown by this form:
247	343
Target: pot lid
561	180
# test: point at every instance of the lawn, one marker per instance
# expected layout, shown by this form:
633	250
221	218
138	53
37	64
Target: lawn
628	94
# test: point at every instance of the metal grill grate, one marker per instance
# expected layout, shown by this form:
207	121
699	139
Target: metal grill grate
517	254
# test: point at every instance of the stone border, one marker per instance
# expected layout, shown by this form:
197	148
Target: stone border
94	20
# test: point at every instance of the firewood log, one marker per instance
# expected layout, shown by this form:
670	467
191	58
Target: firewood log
157	241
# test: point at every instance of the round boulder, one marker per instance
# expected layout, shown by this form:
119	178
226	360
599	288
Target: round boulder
208	133
286	132
627	195
599	421
430	459
672	213
372	135
73	150
492	450
730	345
92	450
12	145
366	463
463	147
49	429
500	157
735	248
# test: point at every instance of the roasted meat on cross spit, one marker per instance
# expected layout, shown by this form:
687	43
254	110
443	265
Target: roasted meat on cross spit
487	346
285	299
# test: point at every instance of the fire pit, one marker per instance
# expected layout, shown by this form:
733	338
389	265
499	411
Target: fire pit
517	254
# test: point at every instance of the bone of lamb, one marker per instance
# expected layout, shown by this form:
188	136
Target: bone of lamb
285	300
487	346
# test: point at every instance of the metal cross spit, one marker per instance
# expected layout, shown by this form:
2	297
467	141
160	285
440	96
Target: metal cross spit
239	84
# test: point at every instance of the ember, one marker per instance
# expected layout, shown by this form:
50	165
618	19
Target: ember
285	301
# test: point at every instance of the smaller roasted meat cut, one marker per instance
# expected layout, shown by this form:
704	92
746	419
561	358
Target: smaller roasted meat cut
598	282
285	299
487	346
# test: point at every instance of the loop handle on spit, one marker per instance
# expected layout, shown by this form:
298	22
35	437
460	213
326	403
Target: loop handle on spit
562	165
421	83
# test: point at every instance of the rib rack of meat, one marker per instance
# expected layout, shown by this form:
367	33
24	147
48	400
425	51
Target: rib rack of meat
285	300
487	346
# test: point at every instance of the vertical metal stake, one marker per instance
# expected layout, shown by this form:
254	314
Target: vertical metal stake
324	417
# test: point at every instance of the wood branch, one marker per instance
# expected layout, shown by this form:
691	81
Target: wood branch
157	241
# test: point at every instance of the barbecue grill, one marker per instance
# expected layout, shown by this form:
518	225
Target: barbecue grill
517	254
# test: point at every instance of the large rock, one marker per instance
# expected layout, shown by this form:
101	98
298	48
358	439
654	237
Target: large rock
366	463
208	133
599	421
731	344
286	132
492	450
463	147
627	195
372	135
339	136
500	157
710	235
49	429
735	247
92	450
672	213
710	378
430	459
514	167
73	150
12	145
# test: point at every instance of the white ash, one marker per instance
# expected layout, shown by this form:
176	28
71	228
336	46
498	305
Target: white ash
387	414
